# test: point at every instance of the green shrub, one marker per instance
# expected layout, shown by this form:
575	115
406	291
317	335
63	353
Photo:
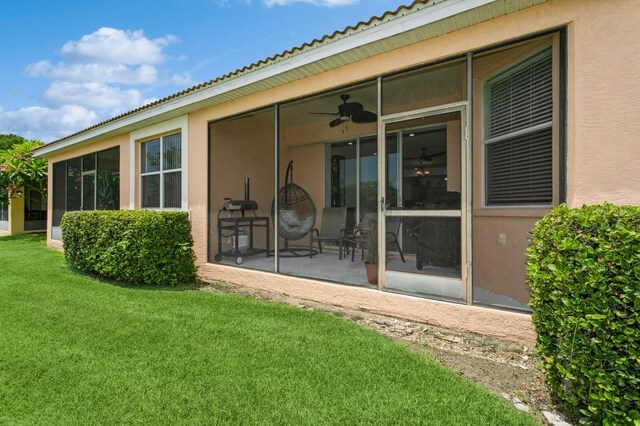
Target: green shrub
584	273
135	246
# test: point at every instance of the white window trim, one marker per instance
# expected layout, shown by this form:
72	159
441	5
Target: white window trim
179	125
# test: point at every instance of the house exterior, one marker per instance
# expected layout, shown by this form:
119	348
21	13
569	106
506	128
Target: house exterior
449	127
24	214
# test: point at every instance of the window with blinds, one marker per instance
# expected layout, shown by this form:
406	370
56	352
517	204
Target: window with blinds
518	134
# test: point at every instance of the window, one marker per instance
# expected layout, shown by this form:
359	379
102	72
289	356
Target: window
4	212
161	172
108	180
342	167
518	134
89	182
59	191
34	201
74	184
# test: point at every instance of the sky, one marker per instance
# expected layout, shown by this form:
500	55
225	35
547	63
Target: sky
66	65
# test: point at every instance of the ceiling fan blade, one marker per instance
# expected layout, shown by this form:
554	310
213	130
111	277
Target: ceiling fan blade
429	157
426	157
323	113
364	117
336	122
350	108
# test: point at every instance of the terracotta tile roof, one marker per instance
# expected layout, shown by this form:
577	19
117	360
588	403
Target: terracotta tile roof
264	62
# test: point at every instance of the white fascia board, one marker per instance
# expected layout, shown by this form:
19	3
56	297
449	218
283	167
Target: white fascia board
394	26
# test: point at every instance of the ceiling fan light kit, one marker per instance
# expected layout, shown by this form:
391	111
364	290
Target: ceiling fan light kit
349	111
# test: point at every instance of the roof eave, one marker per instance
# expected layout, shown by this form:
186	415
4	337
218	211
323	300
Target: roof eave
393	26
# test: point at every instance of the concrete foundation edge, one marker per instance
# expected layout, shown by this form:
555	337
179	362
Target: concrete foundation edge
506	325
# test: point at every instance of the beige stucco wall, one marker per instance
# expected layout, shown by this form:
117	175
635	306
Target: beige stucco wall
16	216
604	111
602	143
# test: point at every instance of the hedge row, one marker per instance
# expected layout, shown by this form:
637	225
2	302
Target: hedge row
134	246
584	273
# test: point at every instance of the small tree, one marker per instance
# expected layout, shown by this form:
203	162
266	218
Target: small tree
20	169
9	141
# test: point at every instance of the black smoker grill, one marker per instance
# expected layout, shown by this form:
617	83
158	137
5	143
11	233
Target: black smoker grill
235	225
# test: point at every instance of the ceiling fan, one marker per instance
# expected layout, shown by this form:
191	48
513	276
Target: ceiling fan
420	164
428	157
353	111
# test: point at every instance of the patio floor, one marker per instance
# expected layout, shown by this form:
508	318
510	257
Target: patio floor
328	267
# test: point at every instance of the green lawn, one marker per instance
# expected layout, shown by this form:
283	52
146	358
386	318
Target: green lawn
77	351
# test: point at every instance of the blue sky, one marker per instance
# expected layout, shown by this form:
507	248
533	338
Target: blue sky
68	64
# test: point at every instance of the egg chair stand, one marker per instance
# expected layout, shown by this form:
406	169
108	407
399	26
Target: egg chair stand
296	216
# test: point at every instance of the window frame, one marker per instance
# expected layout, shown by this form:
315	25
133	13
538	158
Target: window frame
28	199
161	172
64	183
4	212
487	141
137	138
92	172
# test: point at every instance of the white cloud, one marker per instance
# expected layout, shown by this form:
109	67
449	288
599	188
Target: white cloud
93	95
325	3
103	73
183	79
46	123
90	83
114	46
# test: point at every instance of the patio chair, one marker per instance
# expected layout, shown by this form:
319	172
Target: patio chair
359	237
334	220
392	239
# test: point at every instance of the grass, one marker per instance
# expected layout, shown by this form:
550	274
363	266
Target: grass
74	350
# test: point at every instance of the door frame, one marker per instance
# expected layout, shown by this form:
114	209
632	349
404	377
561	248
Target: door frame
465	190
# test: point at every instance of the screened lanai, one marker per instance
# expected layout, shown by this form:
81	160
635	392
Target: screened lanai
395	171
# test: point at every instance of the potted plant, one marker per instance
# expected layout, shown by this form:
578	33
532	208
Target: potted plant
371	258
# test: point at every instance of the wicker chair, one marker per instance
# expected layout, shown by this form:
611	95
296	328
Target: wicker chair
296	212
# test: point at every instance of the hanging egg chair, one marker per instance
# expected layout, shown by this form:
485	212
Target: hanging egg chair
296	213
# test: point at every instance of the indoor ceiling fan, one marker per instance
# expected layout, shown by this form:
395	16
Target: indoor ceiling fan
427	158
353	111
423	162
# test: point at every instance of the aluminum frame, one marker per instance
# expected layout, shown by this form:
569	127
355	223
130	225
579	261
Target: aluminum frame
462	108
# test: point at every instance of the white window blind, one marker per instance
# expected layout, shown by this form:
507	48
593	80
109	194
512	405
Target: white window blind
518	133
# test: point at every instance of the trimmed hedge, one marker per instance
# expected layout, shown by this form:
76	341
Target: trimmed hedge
134	246
584	273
